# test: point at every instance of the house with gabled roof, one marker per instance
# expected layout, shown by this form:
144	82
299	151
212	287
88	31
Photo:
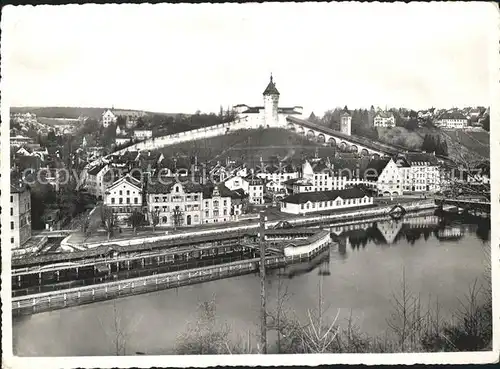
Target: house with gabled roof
384	175
124	196
384	119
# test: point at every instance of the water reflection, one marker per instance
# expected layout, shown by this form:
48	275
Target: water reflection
411	229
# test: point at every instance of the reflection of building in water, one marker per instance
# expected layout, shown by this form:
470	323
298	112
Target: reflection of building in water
338	230
421	221
389	229
450	233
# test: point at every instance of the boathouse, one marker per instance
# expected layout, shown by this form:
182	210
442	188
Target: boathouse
310	202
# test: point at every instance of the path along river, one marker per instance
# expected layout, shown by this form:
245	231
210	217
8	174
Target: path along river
358	277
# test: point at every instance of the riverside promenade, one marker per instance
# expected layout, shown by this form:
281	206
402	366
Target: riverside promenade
77	241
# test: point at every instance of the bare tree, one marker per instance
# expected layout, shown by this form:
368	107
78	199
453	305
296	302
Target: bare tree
119	328
205	335
177	217
108	220
154	218
136	219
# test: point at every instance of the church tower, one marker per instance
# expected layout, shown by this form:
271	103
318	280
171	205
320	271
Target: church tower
345	122
271	98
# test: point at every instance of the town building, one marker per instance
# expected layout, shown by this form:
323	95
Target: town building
108	118
384	175
255	190
237	183
269	115
419	172
124	197
384	119
99	178
275	177
142	134
186	203
310	202
452	120
20	215
18	141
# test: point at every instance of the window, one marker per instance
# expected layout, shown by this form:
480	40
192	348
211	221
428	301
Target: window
207	213
11	211
12	240
11	225
121	192
121	200
128	192
12	199
112	200
164	198
128	200
339	202
177	189
136	200
164	219
301	206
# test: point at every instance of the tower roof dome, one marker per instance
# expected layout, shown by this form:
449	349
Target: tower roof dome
271	88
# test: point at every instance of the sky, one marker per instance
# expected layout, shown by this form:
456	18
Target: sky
183	58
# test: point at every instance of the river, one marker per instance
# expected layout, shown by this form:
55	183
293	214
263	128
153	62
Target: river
440	258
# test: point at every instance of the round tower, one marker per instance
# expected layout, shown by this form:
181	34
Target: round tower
271	98
345	122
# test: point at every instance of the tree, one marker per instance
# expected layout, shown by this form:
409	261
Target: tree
177	217
108	135
154	218
412	124
136	219
121	121
108	220
204	336
119	330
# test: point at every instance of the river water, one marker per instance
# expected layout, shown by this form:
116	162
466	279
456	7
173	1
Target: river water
440	258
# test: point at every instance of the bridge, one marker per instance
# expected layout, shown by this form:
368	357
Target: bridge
470	206
347	143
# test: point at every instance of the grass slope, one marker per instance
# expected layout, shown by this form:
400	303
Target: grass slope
249	146
474	145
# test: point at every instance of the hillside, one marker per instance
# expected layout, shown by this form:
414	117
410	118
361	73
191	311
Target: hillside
249	146
400	136
72	112
473	145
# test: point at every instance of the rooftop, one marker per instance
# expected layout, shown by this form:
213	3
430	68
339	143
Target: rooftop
302	198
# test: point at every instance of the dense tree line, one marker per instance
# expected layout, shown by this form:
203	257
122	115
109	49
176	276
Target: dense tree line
434	144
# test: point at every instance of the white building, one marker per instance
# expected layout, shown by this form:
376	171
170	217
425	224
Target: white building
108	118
276	176
269	115
142	134
384	119
452	120
99	178
124	196
385	176
236	183
419	172
310	202
20	215
255	190
186	204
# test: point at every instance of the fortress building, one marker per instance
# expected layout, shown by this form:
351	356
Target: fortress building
269	115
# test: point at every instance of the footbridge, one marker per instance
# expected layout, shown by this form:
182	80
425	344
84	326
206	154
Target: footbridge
344	142
471	206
